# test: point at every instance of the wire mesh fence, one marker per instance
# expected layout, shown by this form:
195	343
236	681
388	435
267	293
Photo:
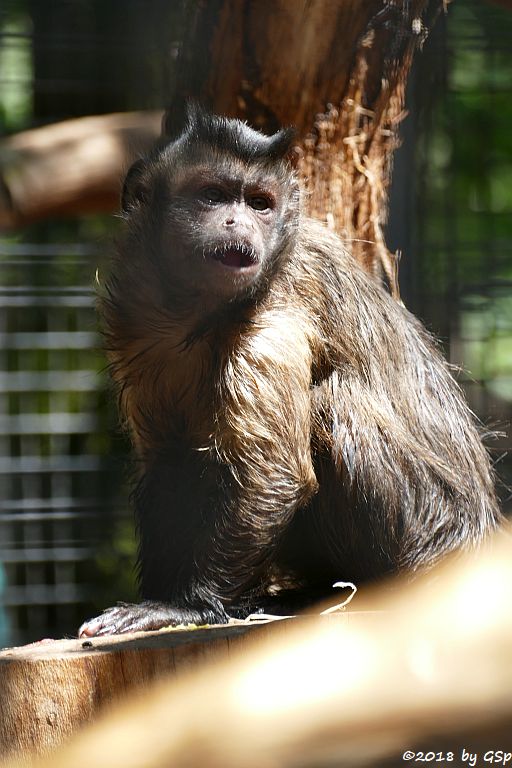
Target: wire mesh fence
54	489
462	250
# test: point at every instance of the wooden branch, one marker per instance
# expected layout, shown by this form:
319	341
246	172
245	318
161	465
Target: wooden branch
428	668
71	167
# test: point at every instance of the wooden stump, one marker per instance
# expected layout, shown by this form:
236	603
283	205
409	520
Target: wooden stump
51	688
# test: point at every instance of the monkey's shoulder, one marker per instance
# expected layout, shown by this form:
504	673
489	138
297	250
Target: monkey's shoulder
326	273
326	262
353	315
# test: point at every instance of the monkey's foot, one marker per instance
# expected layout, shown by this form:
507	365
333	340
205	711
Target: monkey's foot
146	616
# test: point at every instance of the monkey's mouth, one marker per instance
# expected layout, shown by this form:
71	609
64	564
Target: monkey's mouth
234	255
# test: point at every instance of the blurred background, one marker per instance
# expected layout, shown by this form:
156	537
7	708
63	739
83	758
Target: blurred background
66	528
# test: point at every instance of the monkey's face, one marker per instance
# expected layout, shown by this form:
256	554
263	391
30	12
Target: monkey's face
212	229
226	230
212	214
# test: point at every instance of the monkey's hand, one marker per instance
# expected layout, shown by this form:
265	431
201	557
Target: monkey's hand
146	616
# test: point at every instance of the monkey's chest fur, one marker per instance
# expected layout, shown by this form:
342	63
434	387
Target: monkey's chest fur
167	394
221	393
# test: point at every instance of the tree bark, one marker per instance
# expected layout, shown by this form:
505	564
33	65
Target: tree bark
337	71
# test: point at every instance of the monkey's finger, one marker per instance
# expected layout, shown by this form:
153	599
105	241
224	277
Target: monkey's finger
108	622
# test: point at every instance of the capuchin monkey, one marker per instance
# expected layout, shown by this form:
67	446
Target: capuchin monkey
293	424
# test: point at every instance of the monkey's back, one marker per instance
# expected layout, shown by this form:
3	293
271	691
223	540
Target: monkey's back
403	476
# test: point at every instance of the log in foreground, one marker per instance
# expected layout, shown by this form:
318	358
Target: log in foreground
430	671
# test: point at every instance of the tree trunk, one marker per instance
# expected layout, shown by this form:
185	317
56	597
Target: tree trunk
337	71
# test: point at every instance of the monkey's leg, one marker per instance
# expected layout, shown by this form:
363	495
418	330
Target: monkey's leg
211	526
204	542
413	491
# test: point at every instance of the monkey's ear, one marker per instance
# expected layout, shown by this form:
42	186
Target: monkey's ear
281	143
134	190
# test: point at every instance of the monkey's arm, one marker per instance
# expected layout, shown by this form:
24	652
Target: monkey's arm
174	500
264	438
210	521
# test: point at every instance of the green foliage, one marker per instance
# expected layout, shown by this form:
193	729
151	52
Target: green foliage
467	205
16	69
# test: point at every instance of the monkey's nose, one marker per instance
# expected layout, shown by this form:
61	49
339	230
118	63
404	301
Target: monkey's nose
229	222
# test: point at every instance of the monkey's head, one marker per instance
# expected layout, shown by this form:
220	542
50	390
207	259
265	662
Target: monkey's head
215	209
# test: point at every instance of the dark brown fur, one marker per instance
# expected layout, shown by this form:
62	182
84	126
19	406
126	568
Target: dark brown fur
300	427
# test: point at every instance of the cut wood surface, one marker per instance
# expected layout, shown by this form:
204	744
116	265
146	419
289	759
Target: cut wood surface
430	669
52	687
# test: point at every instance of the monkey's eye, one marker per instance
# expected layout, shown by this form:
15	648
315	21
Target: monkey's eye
212	195
260	203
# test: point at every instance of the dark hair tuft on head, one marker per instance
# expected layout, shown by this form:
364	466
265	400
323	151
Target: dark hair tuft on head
226	134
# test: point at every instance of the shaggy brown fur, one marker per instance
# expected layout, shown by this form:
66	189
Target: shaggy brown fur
294	426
